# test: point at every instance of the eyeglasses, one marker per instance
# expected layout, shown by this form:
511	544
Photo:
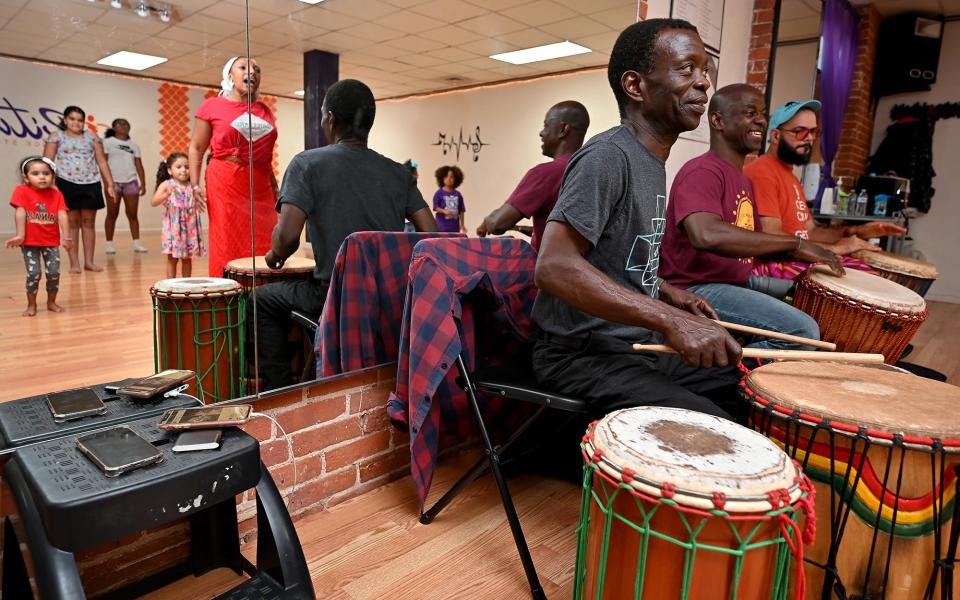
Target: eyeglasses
802	133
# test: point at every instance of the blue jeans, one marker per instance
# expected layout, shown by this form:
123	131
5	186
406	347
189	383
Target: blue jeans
755	309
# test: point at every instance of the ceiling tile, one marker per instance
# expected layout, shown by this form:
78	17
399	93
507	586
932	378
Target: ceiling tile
496	5
593	6
593	59
540	12
410	22
366	10
372	32
282	55
180	34
451	35
272	39
338	42
451	54
492	25
576	27
488	46
129	20
482	64
617	18
451	11
276	7
420	60
238	14
329	20
210	25
405	3
600	41
413	43
529	38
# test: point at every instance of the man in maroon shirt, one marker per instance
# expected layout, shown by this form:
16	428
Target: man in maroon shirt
563	131
712	232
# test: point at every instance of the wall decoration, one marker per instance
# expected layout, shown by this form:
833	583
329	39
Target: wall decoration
705	15
451	144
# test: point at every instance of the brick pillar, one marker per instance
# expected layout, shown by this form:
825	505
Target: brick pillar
761	40
851	159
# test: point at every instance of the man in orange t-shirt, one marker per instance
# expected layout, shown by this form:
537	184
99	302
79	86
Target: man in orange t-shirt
781	203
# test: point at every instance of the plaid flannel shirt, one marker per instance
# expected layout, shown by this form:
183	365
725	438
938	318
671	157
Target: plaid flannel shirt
439	324
360	324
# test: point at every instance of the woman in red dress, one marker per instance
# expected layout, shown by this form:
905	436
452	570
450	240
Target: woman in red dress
223	125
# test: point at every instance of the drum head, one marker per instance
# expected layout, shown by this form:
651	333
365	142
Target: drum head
884	400
885	261
295	264
868	288
646	447
196	285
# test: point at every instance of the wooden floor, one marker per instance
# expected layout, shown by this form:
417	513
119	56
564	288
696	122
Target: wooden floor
372	546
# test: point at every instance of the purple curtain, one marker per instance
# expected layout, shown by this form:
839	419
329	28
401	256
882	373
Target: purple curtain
841	32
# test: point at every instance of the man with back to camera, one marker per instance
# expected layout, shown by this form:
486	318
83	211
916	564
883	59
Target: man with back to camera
781	202
336	190
597	270
711	235
564	127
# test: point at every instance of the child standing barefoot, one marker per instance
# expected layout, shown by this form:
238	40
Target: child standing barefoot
181	235
41	216
447	201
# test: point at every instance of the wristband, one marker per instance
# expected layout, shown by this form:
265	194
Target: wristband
67	239
799	241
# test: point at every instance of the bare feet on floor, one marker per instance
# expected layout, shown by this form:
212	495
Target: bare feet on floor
54	307
75	269
92	267
31	311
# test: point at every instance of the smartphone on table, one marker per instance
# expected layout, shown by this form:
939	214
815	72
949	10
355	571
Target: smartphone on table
206	417
75	404
157	384
118	450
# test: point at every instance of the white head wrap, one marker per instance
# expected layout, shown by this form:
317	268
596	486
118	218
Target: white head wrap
226	85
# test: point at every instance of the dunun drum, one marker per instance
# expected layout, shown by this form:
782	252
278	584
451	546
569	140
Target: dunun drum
198	325
861	312
914	274
241	271
882	447
686	506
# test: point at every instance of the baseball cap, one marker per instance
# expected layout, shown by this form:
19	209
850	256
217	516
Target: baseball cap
786	112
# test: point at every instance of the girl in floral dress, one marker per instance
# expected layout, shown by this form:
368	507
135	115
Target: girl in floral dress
181	236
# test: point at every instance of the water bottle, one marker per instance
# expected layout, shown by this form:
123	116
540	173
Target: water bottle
843	201
861	208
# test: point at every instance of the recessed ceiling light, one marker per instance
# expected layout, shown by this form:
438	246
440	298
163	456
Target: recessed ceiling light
116	3
538	53
311	1
131	60
299	93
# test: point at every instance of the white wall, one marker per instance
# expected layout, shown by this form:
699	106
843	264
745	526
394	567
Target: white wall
510	117
31	88
794	74
935	234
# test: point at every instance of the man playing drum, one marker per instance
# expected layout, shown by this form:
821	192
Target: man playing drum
597	270
712	235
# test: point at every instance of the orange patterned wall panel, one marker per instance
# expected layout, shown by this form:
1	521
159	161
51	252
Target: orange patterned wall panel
271	102
174	118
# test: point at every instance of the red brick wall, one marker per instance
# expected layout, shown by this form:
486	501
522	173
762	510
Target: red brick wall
761	40
857	131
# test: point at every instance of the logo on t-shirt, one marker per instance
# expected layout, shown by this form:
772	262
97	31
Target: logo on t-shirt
125	148
41	216
744	213
258	127
648	246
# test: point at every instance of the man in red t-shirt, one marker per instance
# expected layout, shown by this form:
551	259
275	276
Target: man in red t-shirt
781	203
711	232
564	128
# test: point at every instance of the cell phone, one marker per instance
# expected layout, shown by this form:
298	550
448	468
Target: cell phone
207	417
154	385
198	439
118	450
74	404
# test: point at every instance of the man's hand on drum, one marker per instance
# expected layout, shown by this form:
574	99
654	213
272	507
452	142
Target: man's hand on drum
850	244
687	301
875	229
701	343
812	253
273	260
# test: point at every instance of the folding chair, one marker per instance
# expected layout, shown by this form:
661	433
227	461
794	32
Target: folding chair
512	381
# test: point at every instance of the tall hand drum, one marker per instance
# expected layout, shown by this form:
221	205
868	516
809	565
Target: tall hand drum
861	312
198	325
882	447
914	274
685	506
241	270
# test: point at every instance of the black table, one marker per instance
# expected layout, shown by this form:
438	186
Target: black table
67	504
28	420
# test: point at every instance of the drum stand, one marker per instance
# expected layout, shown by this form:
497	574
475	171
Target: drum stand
795	440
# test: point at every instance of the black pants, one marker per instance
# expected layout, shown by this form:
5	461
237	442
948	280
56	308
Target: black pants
610	375
274	302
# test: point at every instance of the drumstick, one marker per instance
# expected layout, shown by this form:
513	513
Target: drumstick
776	335
852	357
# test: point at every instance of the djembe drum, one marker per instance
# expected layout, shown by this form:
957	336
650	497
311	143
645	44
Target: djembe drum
683	505
914	274
241	270
861	312
198	325
882	447
294	268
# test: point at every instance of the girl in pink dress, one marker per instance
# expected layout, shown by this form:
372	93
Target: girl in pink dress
181	237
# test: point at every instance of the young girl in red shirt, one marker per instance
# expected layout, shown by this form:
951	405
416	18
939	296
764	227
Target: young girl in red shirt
41	216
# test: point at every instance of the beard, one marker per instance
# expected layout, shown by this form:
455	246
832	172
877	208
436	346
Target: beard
791	156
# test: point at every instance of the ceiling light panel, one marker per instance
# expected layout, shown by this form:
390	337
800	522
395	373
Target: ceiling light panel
539	53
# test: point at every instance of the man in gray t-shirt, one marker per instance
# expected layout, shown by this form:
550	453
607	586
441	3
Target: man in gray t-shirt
597	267
335	190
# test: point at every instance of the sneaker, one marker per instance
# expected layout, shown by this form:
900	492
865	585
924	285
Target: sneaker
110	249
138	247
